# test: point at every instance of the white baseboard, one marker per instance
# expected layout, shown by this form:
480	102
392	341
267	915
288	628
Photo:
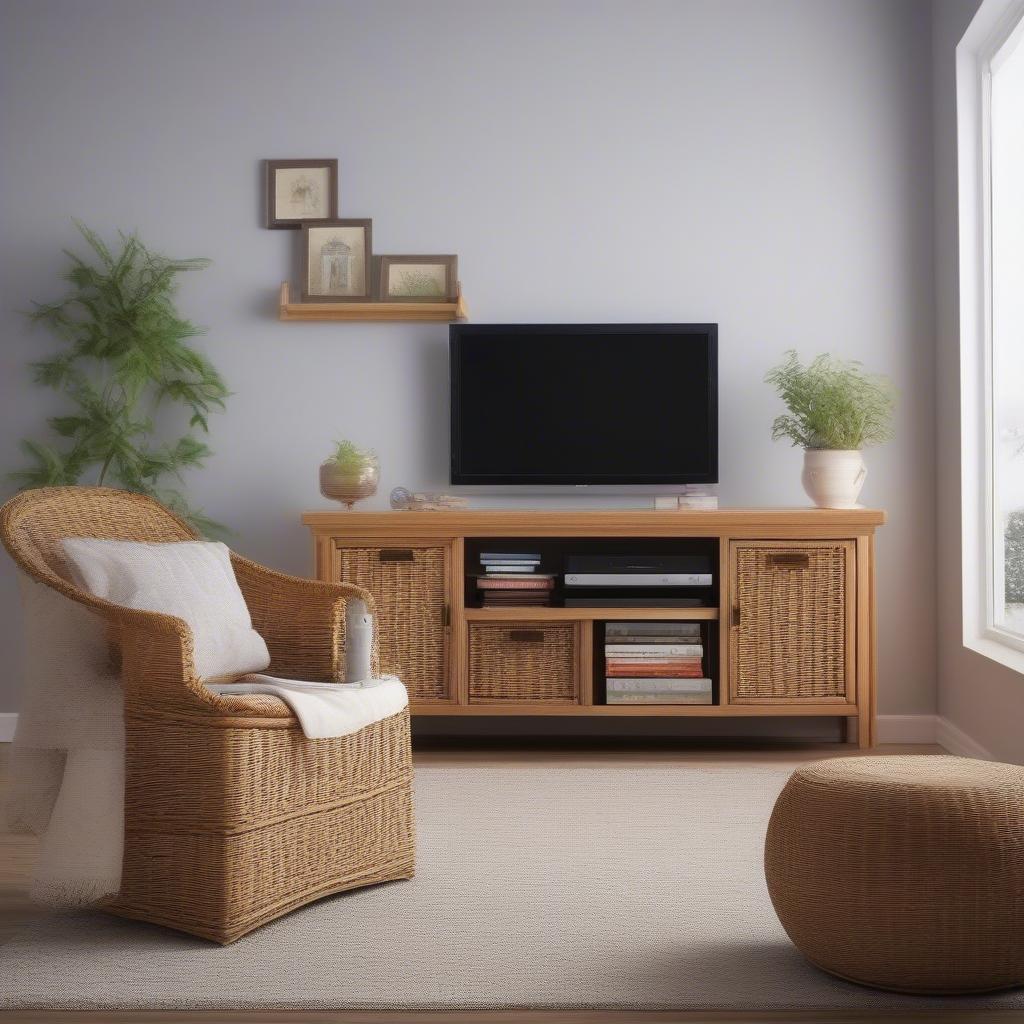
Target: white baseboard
891	729
956	741
907	729
930	729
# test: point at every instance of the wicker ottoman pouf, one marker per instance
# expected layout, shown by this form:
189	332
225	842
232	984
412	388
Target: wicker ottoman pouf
903	873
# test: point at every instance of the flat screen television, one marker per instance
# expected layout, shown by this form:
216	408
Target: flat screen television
584	403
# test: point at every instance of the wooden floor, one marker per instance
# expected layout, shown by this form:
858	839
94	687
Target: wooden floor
17	853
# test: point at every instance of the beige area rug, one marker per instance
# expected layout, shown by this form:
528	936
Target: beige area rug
637	887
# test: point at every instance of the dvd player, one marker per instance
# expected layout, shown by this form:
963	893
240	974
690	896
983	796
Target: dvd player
638	571
638	579
647	601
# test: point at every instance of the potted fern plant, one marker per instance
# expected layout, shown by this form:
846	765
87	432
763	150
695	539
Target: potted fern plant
835	409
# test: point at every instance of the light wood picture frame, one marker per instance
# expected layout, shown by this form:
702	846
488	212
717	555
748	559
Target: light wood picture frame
418	278
299	191
337	260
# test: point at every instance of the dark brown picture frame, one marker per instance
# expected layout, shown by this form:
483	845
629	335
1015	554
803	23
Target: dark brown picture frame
269	188
366	223
451	265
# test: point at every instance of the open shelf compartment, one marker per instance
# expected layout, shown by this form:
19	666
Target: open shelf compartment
554	553
623	604
708	631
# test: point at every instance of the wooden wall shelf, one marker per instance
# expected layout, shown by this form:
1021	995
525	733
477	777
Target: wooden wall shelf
438	312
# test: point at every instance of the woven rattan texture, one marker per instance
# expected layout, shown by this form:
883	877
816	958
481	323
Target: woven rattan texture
904	873
411	599
233	828
232	817
790	641
36	522
301	620
201	780
522	662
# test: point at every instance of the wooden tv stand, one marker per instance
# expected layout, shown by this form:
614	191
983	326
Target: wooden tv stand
789	628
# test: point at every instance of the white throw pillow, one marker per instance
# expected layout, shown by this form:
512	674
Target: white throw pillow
192	580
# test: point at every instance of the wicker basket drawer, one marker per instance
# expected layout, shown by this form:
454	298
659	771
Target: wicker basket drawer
523	662
410	586
791	635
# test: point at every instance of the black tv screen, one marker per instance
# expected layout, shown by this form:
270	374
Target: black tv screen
584	404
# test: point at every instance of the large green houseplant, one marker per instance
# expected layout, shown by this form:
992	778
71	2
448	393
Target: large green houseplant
834	410
124	354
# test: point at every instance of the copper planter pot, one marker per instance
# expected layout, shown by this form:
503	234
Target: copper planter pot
346	486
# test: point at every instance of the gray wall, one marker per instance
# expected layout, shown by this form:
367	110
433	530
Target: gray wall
762	164
978	696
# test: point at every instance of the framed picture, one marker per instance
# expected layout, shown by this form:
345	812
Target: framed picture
418	278
336	260
301	190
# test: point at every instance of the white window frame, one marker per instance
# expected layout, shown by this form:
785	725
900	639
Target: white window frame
996	22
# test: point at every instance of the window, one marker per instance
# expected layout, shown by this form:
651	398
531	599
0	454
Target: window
1006	133
990	95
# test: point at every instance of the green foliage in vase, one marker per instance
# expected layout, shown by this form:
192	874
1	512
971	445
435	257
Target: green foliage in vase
1013	558
124	353
832	404
349	458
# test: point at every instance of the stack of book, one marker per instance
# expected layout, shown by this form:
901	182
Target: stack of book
511	579
655	663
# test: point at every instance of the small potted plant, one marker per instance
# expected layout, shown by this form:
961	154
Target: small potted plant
835	410
349	474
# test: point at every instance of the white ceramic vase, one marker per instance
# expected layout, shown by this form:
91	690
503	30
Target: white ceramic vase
833	479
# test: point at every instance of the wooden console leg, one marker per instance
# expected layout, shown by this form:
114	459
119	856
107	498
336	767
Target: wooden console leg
850	728
864	738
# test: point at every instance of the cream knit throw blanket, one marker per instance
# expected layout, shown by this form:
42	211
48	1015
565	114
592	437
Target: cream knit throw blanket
67	759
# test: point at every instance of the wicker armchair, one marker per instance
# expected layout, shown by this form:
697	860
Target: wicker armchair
232	817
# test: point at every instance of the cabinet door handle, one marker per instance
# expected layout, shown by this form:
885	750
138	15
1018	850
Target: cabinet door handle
789	559
395	554
735	621
526	636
